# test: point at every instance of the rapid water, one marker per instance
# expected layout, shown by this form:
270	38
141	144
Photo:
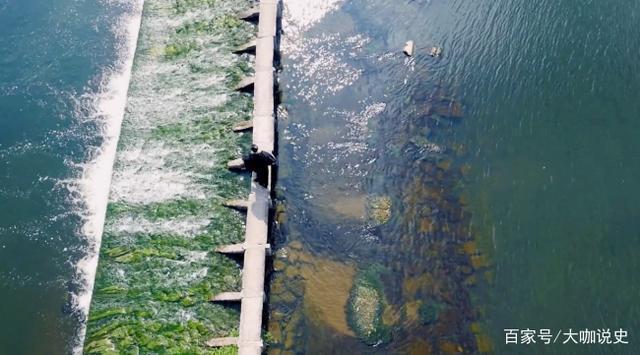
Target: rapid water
64	73
489	188
158	266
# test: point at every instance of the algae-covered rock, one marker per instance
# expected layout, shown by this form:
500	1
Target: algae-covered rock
366	307
379	209
428	313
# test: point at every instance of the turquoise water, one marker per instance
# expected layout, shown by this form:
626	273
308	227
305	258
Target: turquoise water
60	62
539	166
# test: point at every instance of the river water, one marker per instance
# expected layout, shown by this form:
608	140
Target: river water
440	199
489	188
158	267
63	81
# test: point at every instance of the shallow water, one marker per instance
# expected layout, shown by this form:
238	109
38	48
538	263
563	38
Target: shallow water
370	179
507	162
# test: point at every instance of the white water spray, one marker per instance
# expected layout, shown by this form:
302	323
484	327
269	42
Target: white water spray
108	106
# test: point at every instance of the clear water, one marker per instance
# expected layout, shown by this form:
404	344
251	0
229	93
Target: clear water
521	213
63	68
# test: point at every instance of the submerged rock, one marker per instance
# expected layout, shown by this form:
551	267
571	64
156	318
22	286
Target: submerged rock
428	313
379	209
440	104
449	109
366	307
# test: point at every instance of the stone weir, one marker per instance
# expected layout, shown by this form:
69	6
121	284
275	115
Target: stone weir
255	247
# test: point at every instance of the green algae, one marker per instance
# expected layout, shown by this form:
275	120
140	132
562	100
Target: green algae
108	313
177	50
227	22
379	209
182	6
145	337
184	43
366	307
158	267
177	208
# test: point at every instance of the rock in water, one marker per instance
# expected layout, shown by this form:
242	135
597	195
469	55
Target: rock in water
379	209
409	48
428	313
365	308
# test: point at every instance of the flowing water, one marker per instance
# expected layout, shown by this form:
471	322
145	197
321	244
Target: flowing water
158	267
425	204
63	79
442	200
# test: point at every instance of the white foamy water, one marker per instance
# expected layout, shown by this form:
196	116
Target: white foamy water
169	94
156	173
107	107
168	168
182	226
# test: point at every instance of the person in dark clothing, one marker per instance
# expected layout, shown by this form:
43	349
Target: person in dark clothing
259	163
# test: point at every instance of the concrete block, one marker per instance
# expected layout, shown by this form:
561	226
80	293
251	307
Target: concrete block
251	319
227	297
266	47
249	47
231	249
263	134
263	97
243	126
268	19
251	15
409	48
240	205
236	164
245	85
220	342
250	348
